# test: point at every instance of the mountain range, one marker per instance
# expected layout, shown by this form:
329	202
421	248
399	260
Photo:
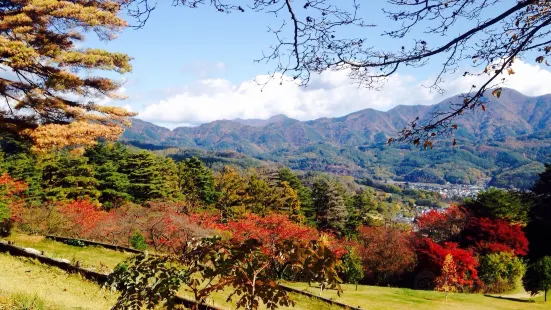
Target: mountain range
504	145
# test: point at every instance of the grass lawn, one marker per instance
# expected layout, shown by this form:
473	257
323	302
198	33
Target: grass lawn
27	284
374	297
89	256
218	299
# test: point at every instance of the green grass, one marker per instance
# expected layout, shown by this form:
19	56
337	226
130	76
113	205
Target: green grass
378	298
88	256
218	299
27	284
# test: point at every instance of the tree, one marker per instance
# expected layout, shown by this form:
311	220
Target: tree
113	186
68	177
499	204
47	98
447	281
538	277
489	36
144	173
329	205
10	203
233	193
196	181
303	192
431	256
488	236
500	272
538	230
442	226
352	267
387	253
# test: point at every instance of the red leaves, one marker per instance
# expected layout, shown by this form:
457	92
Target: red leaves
386	253
488	236
84	217
432	255
442	226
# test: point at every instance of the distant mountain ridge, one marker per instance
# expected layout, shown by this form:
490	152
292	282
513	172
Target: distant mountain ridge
510	122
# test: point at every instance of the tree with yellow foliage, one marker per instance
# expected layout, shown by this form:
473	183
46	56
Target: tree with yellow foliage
447	281
49	91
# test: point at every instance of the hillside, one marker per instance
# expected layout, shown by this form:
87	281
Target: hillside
505	145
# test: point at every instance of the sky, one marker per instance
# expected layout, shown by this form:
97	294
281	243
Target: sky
193	66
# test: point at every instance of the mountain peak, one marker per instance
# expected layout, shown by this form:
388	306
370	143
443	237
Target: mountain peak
255	122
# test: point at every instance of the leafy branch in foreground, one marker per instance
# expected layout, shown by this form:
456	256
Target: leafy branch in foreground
213	264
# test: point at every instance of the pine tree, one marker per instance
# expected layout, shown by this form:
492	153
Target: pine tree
113	186
233	193
330	209
196	181
68	177
290	203
303	192
39	43
169	179
144	174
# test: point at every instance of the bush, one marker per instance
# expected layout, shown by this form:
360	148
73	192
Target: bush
137	241
5	227
75	242
500	272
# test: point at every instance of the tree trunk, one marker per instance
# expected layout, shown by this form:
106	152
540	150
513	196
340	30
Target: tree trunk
356	286
545	296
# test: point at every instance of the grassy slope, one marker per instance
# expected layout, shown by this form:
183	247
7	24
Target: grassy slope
14	271
89	256
378	298
22	279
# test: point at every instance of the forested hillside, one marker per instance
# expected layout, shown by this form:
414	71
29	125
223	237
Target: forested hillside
504	146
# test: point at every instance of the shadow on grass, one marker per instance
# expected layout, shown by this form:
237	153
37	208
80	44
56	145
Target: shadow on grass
511	298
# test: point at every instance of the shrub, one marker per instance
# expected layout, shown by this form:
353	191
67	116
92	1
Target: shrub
138	242
500	272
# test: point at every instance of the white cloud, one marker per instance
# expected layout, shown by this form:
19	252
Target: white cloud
328	95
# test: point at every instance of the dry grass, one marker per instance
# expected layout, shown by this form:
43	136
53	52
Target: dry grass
89	256
50	288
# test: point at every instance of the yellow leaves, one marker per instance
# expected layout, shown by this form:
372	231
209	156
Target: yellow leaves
539	59
510	71
496	92
81	133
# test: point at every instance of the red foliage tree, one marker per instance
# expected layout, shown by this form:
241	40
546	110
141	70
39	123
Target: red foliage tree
442	226
494	235
386	253
431	256
10	196
84	218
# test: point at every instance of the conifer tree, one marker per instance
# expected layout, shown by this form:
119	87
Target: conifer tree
232	187
68	177
47	98
303	192
330	209
169	179
196	181
144	174
113	186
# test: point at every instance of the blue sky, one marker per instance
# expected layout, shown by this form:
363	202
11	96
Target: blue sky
193	66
